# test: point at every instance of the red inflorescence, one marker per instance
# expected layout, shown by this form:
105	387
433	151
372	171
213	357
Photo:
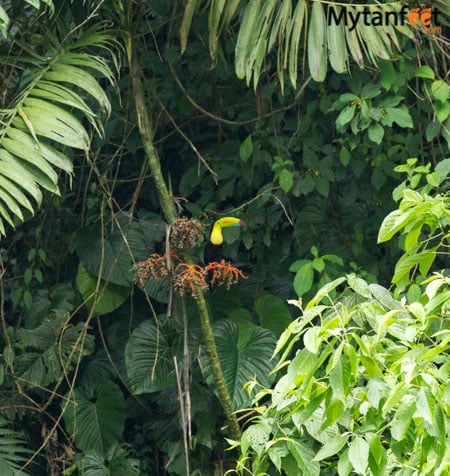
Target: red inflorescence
224	274
190	278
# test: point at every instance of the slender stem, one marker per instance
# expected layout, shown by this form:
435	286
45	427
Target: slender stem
146	131
216	368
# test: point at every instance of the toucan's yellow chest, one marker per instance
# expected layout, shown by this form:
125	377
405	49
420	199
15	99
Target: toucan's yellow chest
216	237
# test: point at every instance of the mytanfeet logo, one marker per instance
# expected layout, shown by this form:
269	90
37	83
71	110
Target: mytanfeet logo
425	19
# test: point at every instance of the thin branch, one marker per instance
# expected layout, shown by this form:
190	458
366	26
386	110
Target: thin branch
191	144
237	123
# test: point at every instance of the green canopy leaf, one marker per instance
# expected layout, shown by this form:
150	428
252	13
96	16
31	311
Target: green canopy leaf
97	424
242	361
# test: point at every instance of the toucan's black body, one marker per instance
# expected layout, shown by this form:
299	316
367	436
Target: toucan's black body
213	253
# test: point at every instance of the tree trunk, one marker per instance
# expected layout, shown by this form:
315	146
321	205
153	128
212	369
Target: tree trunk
146	131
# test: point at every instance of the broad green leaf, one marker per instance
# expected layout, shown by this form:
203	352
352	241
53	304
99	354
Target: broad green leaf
360	286
400	116
116	461
358	454
304	458
388	75
273	313
424	72
243	319
100	297
286	180
394	222
340	378
425	405
344	465
402	419
443	169
112	256
377	390
384	297
149	360
377	456
442	110
317	43
303	280
257	436
322	186
331	447
97	424
423	259
440	90
312	339
345	116
242	364
324	291
246	148
376	132
53	347
333	411
344	156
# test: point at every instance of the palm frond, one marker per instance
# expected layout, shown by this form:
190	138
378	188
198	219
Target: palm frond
329	32
45	119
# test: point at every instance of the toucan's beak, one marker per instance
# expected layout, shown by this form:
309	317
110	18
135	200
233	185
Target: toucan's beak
241	223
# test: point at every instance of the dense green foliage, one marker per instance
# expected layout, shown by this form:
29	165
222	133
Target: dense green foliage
103	376
367	391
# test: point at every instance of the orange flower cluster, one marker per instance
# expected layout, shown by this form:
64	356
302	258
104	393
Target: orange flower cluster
186	233
224	274
187	278
190	278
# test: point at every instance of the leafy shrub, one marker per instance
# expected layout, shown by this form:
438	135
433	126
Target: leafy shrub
364	386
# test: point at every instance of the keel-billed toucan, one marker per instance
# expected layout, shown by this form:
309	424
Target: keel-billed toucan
213	249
